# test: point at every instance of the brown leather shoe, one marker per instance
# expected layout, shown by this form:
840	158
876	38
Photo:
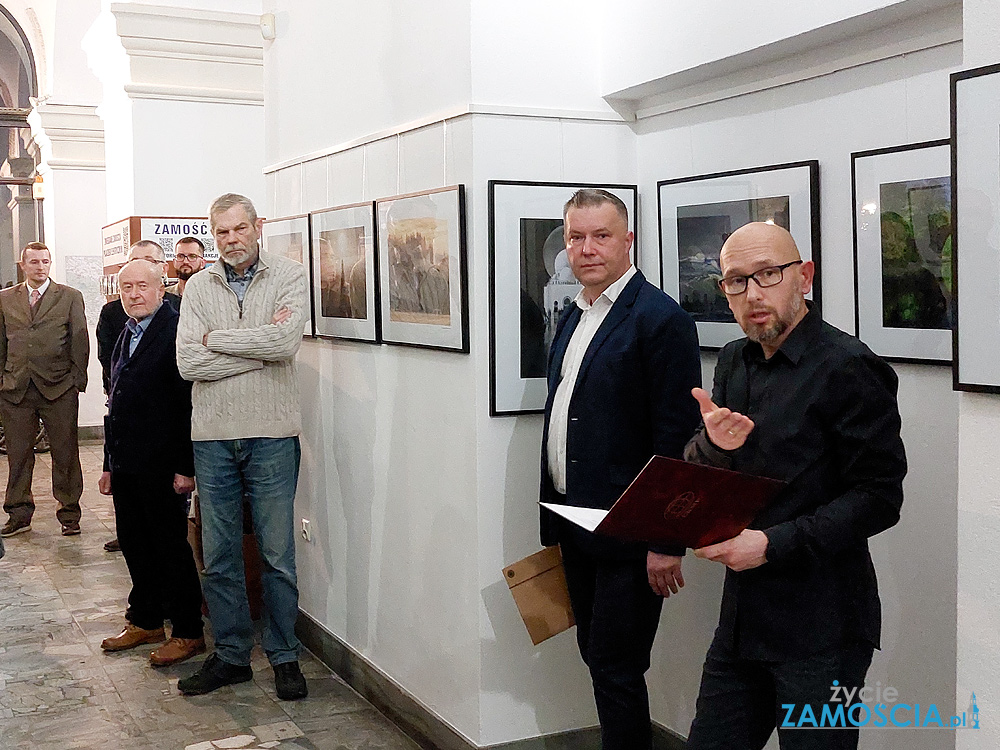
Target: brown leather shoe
175	650
131	637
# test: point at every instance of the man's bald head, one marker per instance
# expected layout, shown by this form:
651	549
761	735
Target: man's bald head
760	236
776	282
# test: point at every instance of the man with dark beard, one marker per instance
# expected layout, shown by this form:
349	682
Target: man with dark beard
190	259
800	401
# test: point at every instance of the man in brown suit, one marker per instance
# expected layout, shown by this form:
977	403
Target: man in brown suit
44	348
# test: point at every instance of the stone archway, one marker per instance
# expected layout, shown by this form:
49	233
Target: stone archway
20	220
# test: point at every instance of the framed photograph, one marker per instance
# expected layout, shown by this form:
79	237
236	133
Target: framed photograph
902	251
343	267
531	284
697	215
423	278
975	184
289	236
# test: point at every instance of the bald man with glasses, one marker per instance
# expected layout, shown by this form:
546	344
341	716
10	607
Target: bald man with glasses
803	402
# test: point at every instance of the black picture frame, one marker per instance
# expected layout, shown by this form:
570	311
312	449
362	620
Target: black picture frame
525	218
696	214
414	290
352	229
975	182
903	244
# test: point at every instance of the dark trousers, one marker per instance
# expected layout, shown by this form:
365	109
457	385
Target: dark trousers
616	614
151	520
740	701
20	426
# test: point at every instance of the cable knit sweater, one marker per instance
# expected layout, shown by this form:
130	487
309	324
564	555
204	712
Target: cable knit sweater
245	384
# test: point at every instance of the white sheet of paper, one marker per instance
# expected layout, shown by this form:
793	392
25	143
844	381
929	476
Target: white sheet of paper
588	518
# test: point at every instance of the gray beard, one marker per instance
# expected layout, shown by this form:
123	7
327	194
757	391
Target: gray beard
247	254
773	332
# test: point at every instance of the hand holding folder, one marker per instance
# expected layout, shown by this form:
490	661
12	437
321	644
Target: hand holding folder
676	502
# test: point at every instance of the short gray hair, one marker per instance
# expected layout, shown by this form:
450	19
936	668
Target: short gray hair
225	202
593	197
156	247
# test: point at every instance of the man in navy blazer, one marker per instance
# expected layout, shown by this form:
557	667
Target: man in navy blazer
622	364
149	469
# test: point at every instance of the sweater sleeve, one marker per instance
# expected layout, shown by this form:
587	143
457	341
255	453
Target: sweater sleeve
197	362
271	342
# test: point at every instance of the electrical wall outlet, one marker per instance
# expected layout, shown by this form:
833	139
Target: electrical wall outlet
306	531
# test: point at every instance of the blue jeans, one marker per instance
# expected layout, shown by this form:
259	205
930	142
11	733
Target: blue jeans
266	470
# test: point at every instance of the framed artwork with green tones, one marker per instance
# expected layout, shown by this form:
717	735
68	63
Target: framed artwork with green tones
903	251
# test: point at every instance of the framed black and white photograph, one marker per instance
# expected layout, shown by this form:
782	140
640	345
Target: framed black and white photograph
903	250
531	284
344	277
423	278
697	215
975	183
289	236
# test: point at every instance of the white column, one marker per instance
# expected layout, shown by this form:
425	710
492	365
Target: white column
187	102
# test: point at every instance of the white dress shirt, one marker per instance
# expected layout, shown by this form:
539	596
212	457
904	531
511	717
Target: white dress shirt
41	289
590	321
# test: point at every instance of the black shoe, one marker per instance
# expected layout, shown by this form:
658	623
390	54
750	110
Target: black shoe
214	673
13	527
289	682
71	529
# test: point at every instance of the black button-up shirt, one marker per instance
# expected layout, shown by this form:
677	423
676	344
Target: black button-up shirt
827	422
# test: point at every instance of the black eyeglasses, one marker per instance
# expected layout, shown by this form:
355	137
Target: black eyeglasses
184	256
765	277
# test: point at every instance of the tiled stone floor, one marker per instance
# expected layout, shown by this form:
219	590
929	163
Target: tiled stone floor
60	596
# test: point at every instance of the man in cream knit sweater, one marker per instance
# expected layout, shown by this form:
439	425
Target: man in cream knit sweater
240	328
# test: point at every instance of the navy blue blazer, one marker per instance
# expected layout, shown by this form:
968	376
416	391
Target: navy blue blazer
632	400
148	426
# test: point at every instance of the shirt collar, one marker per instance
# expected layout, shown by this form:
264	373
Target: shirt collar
794	346
140	326
247	275
612	292
41	289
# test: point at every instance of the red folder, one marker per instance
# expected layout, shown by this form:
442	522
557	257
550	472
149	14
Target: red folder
676	502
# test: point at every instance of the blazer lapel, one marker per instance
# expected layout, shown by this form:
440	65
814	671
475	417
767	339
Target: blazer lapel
619	311
561	342
145	341
21	301
48	300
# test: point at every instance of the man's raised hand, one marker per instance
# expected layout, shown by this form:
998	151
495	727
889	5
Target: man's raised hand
725	428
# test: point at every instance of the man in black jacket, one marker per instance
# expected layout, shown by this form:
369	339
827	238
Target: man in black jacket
113	316
149	468
112	321
800	401
623	361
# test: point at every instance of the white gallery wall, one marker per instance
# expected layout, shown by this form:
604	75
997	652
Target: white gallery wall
416	496
979	488
877	105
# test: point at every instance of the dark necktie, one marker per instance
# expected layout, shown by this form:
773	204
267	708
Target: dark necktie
119	361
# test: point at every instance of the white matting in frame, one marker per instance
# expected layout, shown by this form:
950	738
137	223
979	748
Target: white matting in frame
345	282
423	279
902	263
289	236
698	213
975	181
520	212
